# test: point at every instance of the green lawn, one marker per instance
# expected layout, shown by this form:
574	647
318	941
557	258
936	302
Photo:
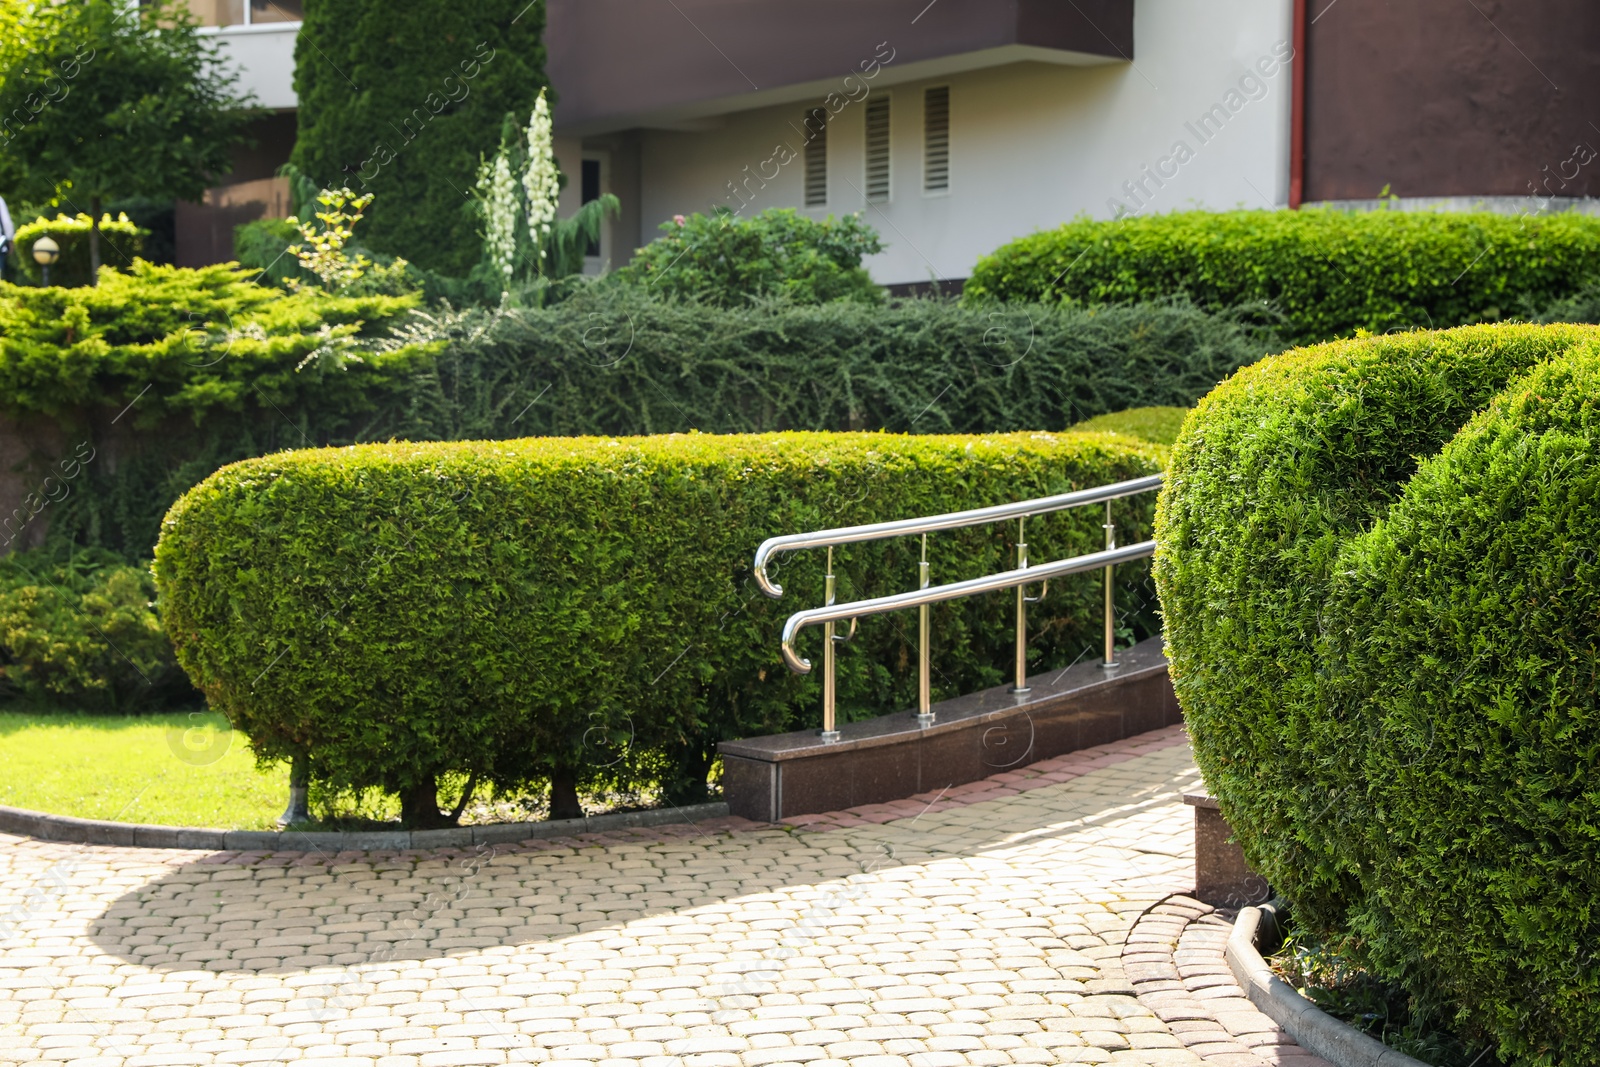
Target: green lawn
189	769
1153	424
175	769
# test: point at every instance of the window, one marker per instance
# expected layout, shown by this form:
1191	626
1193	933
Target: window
246	12
590	184
815	125
936	140
275	11
878	149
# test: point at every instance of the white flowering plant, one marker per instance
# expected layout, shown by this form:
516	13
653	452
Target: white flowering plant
518	193
497	192
541	179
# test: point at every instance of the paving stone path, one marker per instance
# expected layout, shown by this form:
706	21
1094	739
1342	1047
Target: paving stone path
981	925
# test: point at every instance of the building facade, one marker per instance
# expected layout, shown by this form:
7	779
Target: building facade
955	125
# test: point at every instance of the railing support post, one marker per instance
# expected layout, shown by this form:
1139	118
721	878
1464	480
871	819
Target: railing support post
1111	606
924	658
830	732
1021	685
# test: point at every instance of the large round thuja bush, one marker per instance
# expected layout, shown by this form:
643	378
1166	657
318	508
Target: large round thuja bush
1377	562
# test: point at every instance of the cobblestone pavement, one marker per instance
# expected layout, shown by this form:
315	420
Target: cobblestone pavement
1174	958
983	925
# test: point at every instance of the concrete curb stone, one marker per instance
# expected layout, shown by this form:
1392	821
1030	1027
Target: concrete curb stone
1310	1026
47	827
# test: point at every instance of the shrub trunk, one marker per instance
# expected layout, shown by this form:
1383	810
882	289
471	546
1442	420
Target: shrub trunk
564	794
419	807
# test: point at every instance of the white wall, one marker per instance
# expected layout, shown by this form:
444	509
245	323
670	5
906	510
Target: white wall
1032	144
264	56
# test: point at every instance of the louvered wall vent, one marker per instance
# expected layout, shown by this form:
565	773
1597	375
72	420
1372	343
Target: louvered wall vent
815	128
878	149
936	139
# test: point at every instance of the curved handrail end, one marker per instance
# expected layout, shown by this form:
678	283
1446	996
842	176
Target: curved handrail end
767	585
790	657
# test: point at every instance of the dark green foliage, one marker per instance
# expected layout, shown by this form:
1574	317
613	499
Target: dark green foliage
1329	273
81	632
617	361
263	247
725	260
569	240
603	362
158	218
1581	306
101	99
1378	576
520	610
1326	974
403	101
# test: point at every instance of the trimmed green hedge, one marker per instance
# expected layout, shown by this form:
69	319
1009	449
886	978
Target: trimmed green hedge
119	238
217	370
616	361
1377	569
563	609
80	632
1329	273
1158	424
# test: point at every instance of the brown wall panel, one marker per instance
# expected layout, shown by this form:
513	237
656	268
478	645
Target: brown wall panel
250	191
1452	98
205	230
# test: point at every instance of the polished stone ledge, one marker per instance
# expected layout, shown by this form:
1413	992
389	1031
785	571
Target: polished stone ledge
1222	877
768	779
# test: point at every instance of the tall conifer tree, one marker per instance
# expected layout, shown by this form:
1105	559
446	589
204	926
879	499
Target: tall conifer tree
402	100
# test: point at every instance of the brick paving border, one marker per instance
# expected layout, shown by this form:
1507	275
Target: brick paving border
1174	958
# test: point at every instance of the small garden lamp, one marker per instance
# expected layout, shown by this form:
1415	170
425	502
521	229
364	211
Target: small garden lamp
46	252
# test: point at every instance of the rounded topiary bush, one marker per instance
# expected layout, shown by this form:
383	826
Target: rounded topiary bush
1376	561
572	609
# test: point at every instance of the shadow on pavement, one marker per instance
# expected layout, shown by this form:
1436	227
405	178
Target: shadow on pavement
1028	853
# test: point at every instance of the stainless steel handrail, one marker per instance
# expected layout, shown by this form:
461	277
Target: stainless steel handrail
877	531
882	605
1020	577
